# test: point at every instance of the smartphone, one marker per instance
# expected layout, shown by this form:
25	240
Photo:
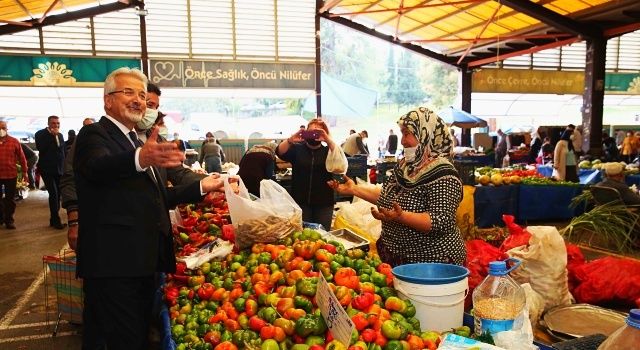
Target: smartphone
310	134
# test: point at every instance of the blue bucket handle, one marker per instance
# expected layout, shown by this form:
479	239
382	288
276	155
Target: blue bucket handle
516	264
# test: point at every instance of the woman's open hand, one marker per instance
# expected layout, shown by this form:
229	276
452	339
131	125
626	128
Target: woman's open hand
384	214
346	189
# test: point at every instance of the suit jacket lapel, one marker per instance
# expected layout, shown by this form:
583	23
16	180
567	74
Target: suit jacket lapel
116	134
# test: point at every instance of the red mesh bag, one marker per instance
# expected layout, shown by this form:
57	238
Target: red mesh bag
608	280
518	236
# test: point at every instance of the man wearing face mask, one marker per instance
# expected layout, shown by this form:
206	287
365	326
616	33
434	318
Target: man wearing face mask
50	145
308	157
10	155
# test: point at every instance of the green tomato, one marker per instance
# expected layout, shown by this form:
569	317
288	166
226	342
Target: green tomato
270	344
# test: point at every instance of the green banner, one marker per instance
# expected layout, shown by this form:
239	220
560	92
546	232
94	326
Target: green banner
59	71
622	83
230	74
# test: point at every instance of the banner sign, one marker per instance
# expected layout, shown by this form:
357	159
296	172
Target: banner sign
59	71
226	74
528	81
622	83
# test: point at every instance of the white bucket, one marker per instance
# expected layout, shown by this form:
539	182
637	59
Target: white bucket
439	307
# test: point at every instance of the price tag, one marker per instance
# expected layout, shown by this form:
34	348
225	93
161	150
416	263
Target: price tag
338	321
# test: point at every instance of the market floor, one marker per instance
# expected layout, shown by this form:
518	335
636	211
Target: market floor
27	317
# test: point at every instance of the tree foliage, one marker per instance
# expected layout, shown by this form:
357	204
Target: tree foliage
440	82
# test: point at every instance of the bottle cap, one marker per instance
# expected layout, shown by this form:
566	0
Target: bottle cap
633	319
498	268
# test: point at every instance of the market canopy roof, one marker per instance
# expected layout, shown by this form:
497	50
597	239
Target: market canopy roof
478	32
460	32
460	118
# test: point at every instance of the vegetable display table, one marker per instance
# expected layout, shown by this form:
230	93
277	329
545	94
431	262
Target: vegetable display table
546	202
525	202
490	203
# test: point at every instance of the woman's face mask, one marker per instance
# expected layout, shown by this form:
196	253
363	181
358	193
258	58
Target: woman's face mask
410	153
313	142
148	119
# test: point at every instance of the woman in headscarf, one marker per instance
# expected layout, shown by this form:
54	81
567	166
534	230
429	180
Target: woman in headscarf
564	159
417	203
256	165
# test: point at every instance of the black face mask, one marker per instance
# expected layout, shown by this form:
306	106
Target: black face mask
313	143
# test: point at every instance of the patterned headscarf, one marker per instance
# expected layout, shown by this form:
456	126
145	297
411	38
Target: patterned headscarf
435	147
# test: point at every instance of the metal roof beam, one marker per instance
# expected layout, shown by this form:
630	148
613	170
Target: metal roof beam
552	18
389	38
69	16
495	58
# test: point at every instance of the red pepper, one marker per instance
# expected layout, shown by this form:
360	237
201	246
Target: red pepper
206	291
360	321
190	221
346	276
363	301
368	335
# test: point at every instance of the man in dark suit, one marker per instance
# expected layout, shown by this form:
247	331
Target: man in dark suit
392	143
125	232
50	145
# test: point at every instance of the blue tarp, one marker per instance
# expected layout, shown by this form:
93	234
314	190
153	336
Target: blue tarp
341	99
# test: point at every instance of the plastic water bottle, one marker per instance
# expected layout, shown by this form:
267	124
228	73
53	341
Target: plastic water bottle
626	337
498	300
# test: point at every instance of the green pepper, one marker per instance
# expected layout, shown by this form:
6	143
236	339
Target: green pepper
239	304
379	279
307	286
415	323
303	303
393	345
264	258
268	314
310	325
338	258
386	292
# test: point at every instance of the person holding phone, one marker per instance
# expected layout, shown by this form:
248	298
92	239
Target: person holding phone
417	204
308	155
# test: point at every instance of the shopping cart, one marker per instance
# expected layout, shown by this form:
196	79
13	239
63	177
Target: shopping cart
60	275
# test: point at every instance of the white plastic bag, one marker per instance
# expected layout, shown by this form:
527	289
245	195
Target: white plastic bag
544	265
336	162
271	217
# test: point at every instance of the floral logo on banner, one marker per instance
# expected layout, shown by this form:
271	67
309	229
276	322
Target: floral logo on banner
53	74
634	85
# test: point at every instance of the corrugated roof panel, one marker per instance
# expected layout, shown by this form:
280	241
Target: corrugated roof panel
296	38
167	27
570	6
118	31
28	39
255	28
630	51
613	45
211	27
75	36
547	58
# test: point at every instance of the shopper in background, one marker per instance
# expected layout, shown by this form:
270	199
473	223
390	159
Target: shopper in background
629	148
576	139
564	159
32	159
546	151
10	155
308	157
256	165
50	145
609	148
536	145
502	147
417	203
71	136
355	145
183	145
392	143
122	202
212	154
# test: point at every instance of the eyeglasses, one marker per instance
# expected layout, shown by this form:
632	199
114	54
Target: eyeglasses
130	93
